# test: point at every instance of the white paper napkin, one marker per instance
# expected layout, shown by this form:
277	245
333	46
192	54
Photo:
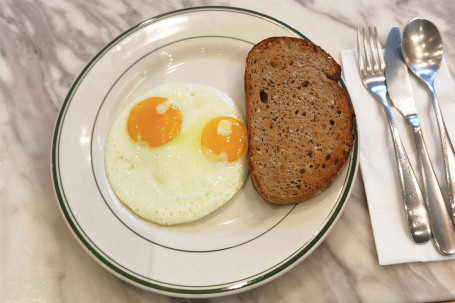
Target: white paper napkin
377	159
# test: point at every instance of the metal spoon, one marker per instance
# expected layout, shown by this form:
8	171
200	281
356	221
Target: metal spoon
422	50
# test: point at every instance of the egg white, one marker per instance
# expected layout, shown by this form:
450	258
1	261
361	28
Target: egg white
174	183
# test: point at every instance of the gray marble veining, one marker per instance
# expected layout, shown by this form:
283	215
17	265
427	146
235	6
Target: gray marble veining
44	45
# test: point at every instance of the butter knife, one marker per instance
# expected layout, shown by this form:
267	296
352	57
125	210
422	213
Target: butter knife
400	92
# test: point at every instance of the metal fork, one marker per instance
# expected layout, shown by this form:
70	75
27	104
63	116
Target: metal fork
371	68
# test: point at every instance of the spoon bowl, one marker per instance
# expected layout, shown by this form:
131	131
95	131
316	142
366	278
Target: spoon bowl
422	48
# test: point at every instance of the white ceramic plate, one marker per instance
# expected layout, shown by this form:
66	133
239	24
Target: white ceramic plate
241	245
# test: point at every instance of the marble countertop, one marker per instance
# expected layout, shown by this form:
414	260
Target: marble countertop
44	45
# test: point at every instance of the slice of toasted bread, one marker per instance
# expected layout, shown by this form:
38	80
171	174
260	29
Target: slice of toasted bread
300	120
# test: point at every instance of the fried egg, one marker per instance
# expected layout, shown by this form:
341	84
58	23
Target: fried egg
177	153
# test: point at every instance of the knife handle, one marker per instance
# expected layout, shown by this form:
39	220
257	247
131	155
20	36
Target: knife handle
416	211
441	224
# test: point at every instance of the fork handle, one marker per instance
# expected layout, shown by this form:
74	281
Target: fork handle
418	221
441	224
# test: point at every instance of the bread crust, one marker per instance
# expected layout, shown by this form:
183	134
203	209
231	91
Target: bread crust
300	120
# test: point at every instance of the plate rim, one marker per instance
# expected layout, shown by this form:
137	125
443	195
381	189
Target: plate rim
201	292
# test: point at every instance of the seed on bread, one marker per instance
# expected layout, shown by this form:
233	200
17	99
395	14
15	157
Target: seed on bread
300	120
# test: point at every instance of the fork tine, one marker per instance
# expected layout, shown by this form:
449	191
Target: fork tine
367	52
378	46
360	53
374	50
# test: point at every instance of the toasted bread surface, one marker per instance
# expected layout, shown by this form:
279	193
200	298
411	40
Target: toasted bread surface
300	120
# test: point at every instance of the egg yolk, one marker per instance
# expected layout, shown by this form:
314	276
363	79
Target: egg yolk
224	135
154	121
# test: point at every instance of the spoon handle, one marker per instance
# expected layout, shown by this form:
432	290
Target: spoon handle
447	152
440	221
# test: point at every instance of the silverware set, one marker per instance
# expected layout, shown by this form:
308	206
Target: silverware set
420	50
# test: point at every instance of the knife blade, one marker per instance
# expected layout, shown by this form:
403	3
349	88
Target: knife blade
400	92
397	78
